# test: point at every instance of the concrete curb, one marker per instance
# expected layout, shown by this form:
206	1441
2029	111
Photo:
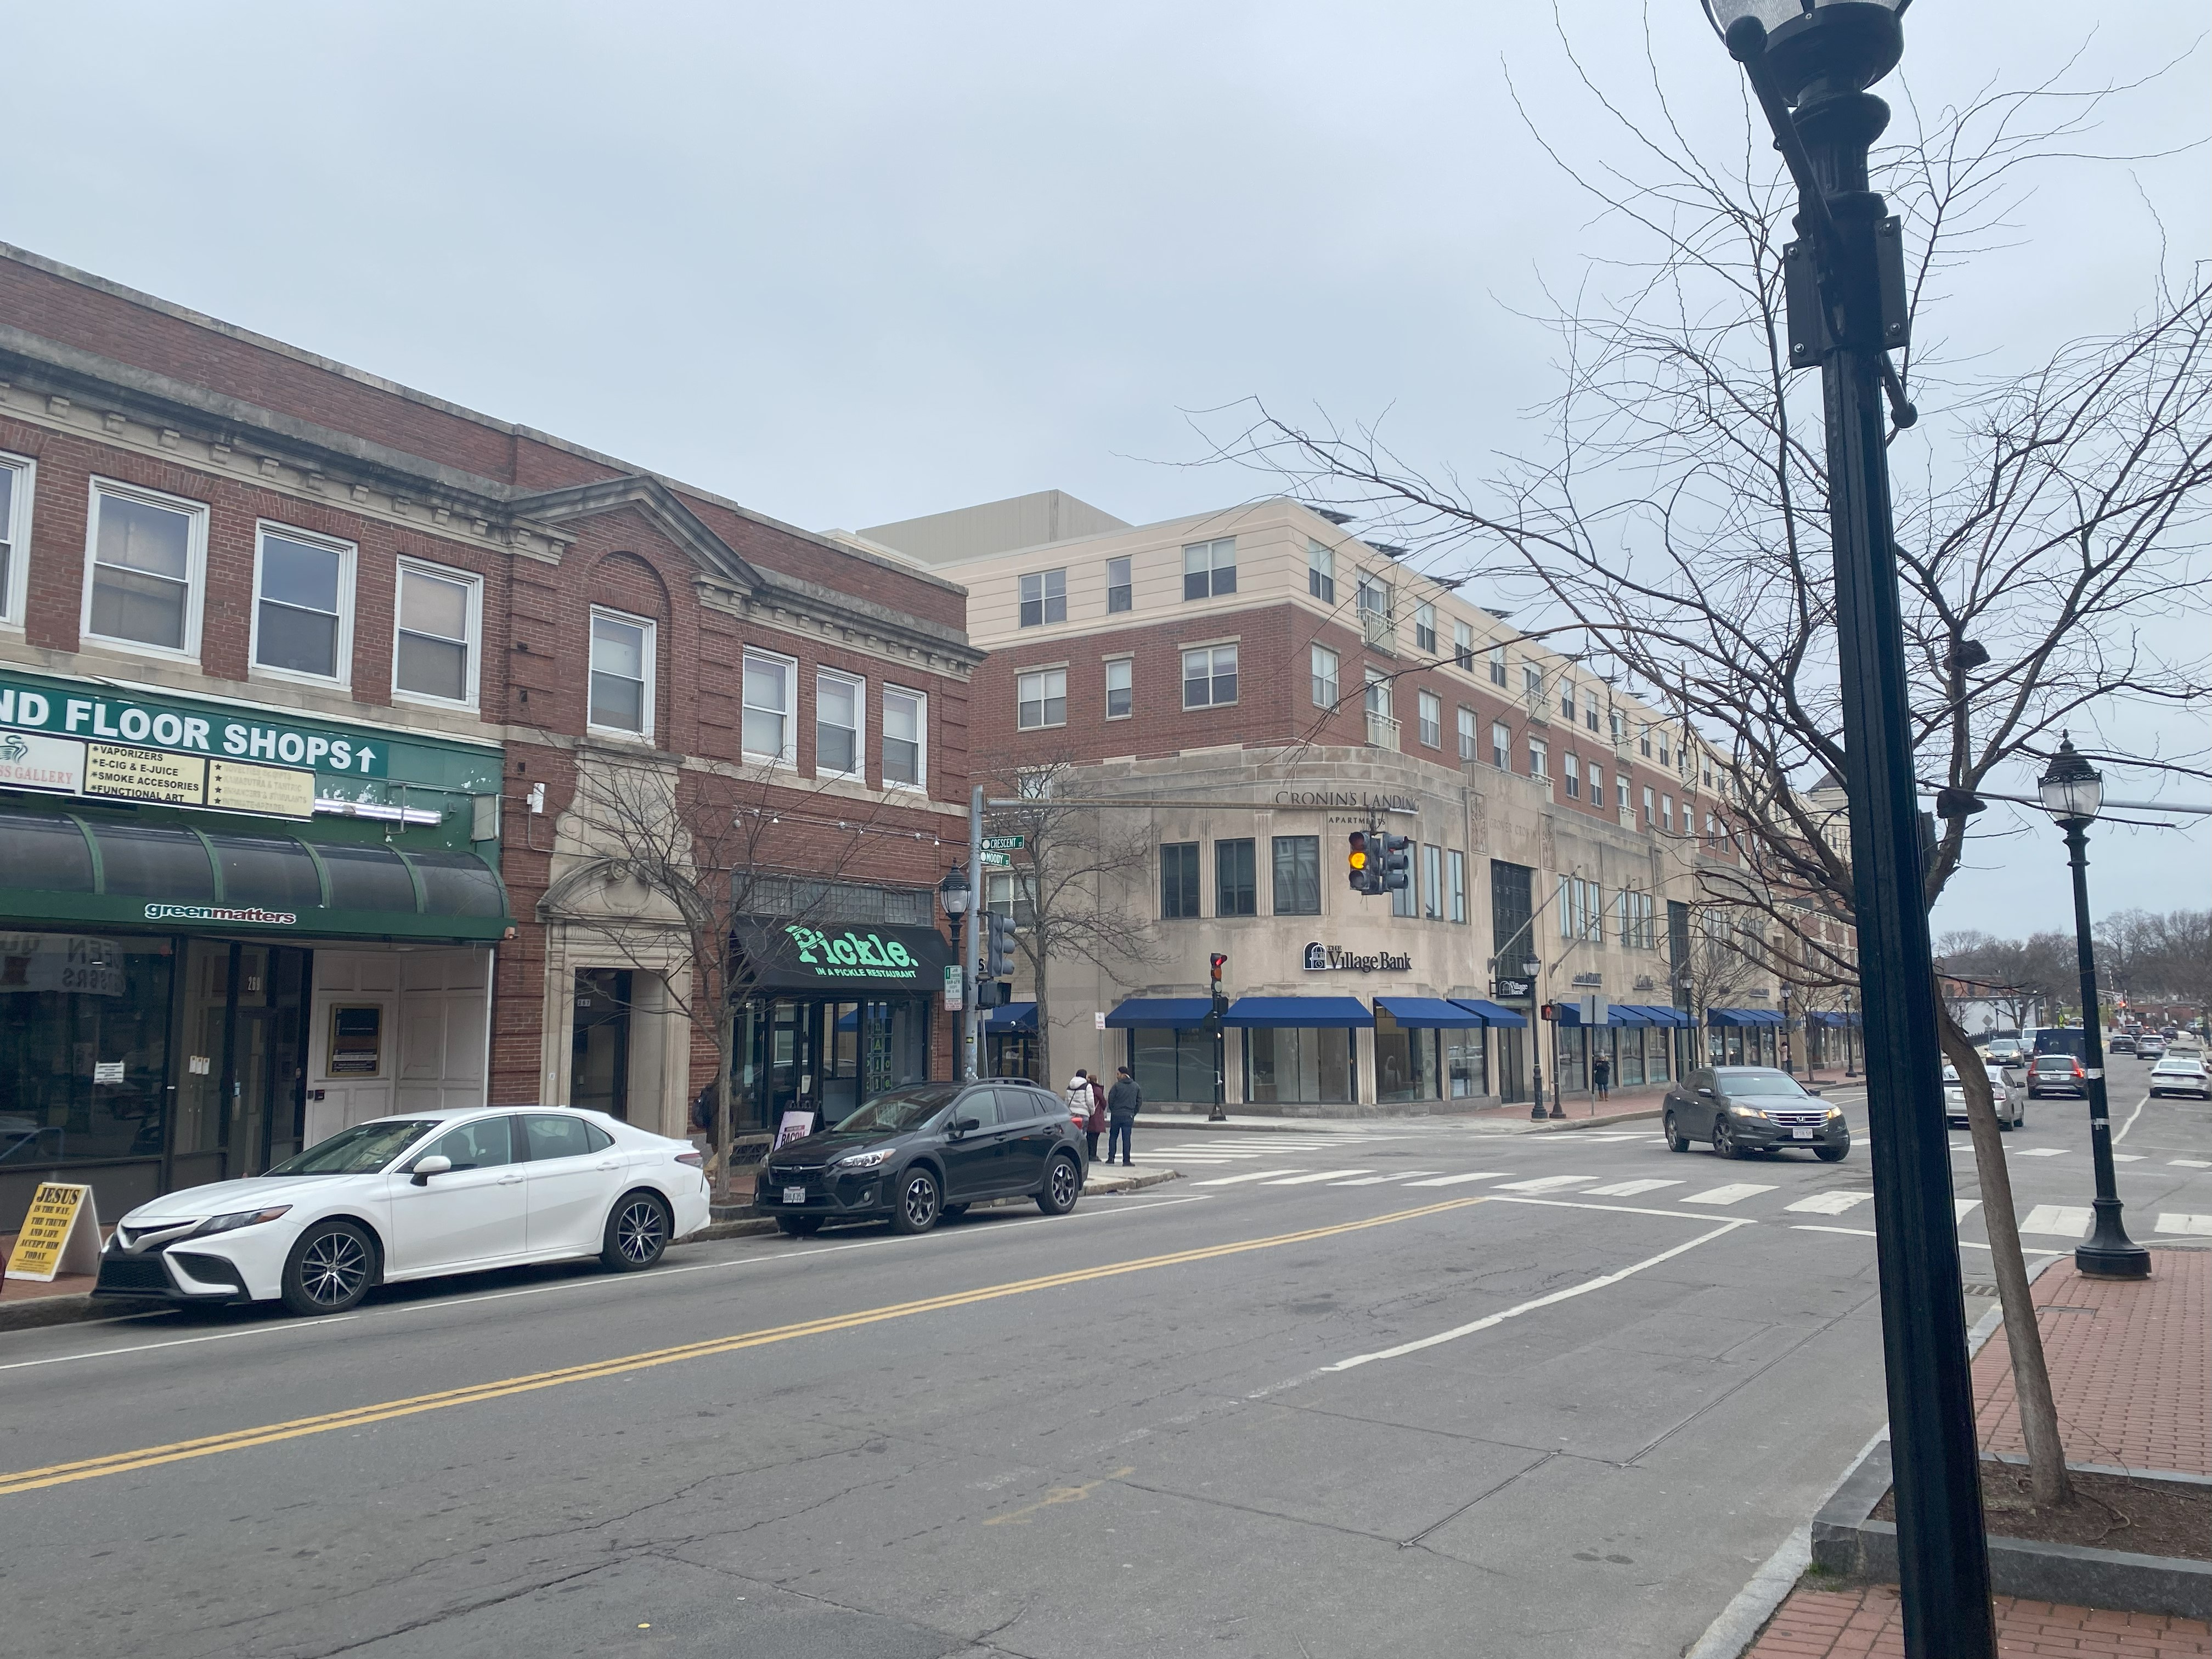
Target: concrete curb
1097	1186
34	1312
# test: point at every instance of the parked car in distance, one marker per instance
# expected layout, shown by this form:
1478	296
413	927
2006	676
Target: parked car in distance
928	1151
2179	1074
413	1197
2121	1043
2008	1093
2150	1048
2057	1075
1743	1110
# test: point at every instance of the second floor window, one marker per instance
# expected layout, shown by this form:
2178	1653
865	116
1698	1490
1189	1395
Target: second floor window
1179	880
1044	598
1432	882
1121	593
1378	693
434	646
767	733
1667	813
1375	597
1498	665
1532	683
1644	741
147	553
1598	786
1571	767
1041	699
905	738
838	700
1321	572
1463	646
1567	700
1620	789
621	674
1324	677
1236	879
1431	709
1455	882
1539	758
1209	676
1647	807
1424	629
1297	875
1501	746
1467	740
1120	688
1209	569
15	492
301	587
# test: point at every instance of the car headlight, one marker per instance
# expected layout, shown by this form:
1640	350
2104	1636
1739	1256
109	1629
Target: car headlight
863	1160
1746	1111
237	1218
1835	1111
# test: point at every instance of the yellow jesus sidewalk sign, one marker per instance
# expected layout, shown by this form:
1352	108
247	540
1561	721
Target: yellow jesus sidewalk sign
61	1234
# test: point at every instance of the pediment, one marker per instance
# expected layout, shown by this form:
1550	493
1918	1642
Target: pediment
660	504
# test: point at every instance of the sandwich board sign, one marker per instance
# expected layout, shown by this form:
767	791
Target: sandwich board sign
60	1235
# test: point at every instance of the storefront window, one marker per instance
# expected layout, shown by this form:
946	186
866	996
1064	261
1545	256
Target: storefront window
1294	1065
1172	1064
84	1049
1466	1063
1628	1066
1572	1057
1406	1067
1658	1053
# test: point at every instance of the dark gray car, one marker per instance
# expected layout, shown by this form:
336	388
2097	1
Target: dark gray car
1743	1110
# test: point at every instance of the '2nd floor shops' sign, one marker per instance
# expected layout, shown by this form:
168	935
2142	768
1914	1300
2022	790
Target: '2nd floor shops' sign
188	728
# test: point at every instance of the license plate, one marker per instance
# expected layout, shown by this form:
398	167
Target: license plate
794	1195
1800	1135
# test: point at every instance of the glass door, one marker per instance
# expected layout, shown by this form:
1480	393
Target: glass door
205	1076
599	1068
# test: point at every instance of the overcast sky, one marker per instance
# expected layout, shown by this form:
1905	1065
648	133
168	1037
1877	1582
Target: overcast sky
848	263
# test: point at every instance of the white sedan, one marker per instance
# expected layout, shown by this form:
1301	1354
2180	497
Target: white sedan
2008	1093
413	1197
2180	1075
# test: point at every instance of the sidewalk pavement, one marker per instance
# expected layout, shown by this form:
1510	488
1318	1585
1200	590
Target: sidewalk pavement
14	1292
2130	1364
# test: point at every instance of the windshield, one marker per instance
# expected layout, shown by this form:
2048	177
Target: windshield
900	1110
362	1150
1736	1084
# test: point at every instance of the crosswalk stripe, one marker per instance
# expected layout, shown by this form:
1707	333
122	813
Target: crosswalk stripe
1323	1174
1376	1181
2187	1163
2067	1220
2043	1152
1828	1203
1454	1180
1628	1188
2126	1157
1963	1207
1544	1183
1735	1192
2199	1226
1249	1174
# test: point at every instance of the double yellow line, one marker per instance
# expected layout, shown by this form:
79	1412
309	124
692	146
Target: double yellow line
91	1468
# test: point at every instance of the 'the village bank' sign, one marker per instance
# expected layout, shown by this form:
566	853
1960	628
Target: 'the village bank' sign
1330	958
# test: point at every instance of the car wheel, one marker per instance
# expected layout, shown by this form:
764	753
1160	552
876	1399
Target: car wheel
1063	1184
1832	1154
637	1232
1676	1140
799	1226
1724	1141
329	1269
916	1211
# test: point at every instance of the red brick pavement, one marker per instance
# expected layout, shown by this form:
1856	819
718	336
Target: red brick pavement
1866	1623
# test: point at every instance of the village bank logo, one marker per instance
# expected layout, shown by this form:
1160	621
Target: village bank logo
852	955
1331	959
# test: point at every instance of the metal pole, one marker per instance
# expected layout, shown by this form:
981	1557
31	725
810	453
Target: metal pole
969	1027
1944	1556
2109	1253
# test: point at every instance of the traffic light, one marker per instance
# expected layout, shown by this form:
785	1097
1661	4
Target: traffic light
1356	863
998	947
1387	868
1219	963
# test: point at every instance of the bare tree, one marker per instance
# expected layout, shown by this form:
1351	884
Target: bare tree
1675	525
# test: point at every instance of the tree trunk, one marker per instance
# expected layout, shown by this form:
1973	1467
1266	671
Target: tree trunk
724	1117
2031	1381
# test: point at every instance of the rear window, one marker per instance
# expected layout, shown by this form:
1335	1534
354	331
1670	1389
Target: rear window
2054	1062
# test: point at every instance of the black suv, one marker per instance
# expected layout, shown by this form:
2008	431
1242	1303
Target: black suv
926	1152
1753	1108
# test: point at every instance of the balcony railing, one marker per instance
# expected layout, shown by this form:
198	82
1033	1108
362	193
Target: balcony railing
1538	707
1379	632
1382	731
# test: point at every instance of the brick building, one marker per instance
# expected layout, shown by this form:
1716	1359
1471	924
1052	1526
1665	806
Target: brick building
315	693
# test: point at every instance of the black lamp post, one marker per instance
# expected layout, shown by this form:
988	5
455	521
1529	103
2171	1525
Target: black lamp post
954	894
1533	967
2072	790
1844	281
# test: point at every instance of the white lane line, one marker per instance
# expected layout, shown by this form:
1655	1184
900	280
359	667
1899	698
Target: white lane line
2122	1132
1516	1311
2198	1226
182	1342
2126	1157
1977	1244
1544	1183
2187	1163
1735	1192
1828	1203
1628	1188
2045	1152
1324	1174
1249	1174
1855	1232
2066	1221
1454	1180
1376	1181
1963	1207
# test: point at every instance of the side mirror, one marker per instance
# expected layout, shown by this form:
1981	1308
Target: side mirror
436	1163
1810	1089
962	1125
1704	1091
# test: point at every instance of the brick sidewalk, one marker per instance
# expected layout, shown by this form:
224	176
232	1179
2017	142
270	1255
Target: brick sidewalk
1868	1624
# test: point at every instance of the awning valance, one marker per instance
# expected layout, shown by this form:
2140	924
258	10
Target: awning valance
861	961
1491	1013
1426	1013
1304	1013
1742	1017
1660	1014
1009	1017
1171	1014
299	880
1832	1020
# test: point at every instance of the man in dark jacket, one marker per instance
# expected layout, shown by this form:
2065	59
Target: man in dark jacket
1122	1104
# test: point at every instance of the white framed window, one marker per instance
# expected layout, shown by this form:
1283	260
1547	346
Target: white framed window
1498	665
19	476
1376	599
145	559
621	674
1468	745
766	723
1581	910
1430	708
1501	746
840	738
1120	591
1644	741
1432	881
1463	647
1589	711
1620	788
1647	807
1571	765
1209	569
1597	785
1041	699
1539	758
1121	687
1378	693
1667	813
302	605
1209	676
1639	916
1321	571
1665	759
1324	677
1044	598
439	618
1532	682
1455	881
905	740
1567	699
1424	629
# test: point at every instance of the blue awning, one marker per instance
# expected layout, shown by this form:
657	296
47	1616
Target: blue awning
1627	1013
1011	1017
1426	1013
1742	1017
1490	1013
1616	1013
1304	1013
1661	1014
1176	1013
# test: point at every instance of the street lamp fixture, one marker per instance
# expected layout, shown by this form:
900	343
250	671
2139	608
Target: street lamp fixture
1809	63
953	893
1532	968
2072	790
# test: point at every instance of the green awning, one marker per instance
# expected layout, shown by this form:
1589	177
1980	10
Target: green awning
297	881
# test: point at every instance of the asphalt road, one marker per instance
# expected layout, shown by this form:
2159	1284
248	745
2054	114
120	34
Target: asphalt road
1243	1413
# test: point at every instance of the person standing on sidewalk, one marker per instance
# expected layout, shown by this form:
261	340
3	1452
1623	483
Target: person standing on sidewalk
1081	1107
1123	1104
1601	1076
1094	1125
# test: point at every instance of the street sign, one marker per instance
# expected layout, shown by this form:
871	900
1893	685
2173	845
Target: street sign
1005	843
997	860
